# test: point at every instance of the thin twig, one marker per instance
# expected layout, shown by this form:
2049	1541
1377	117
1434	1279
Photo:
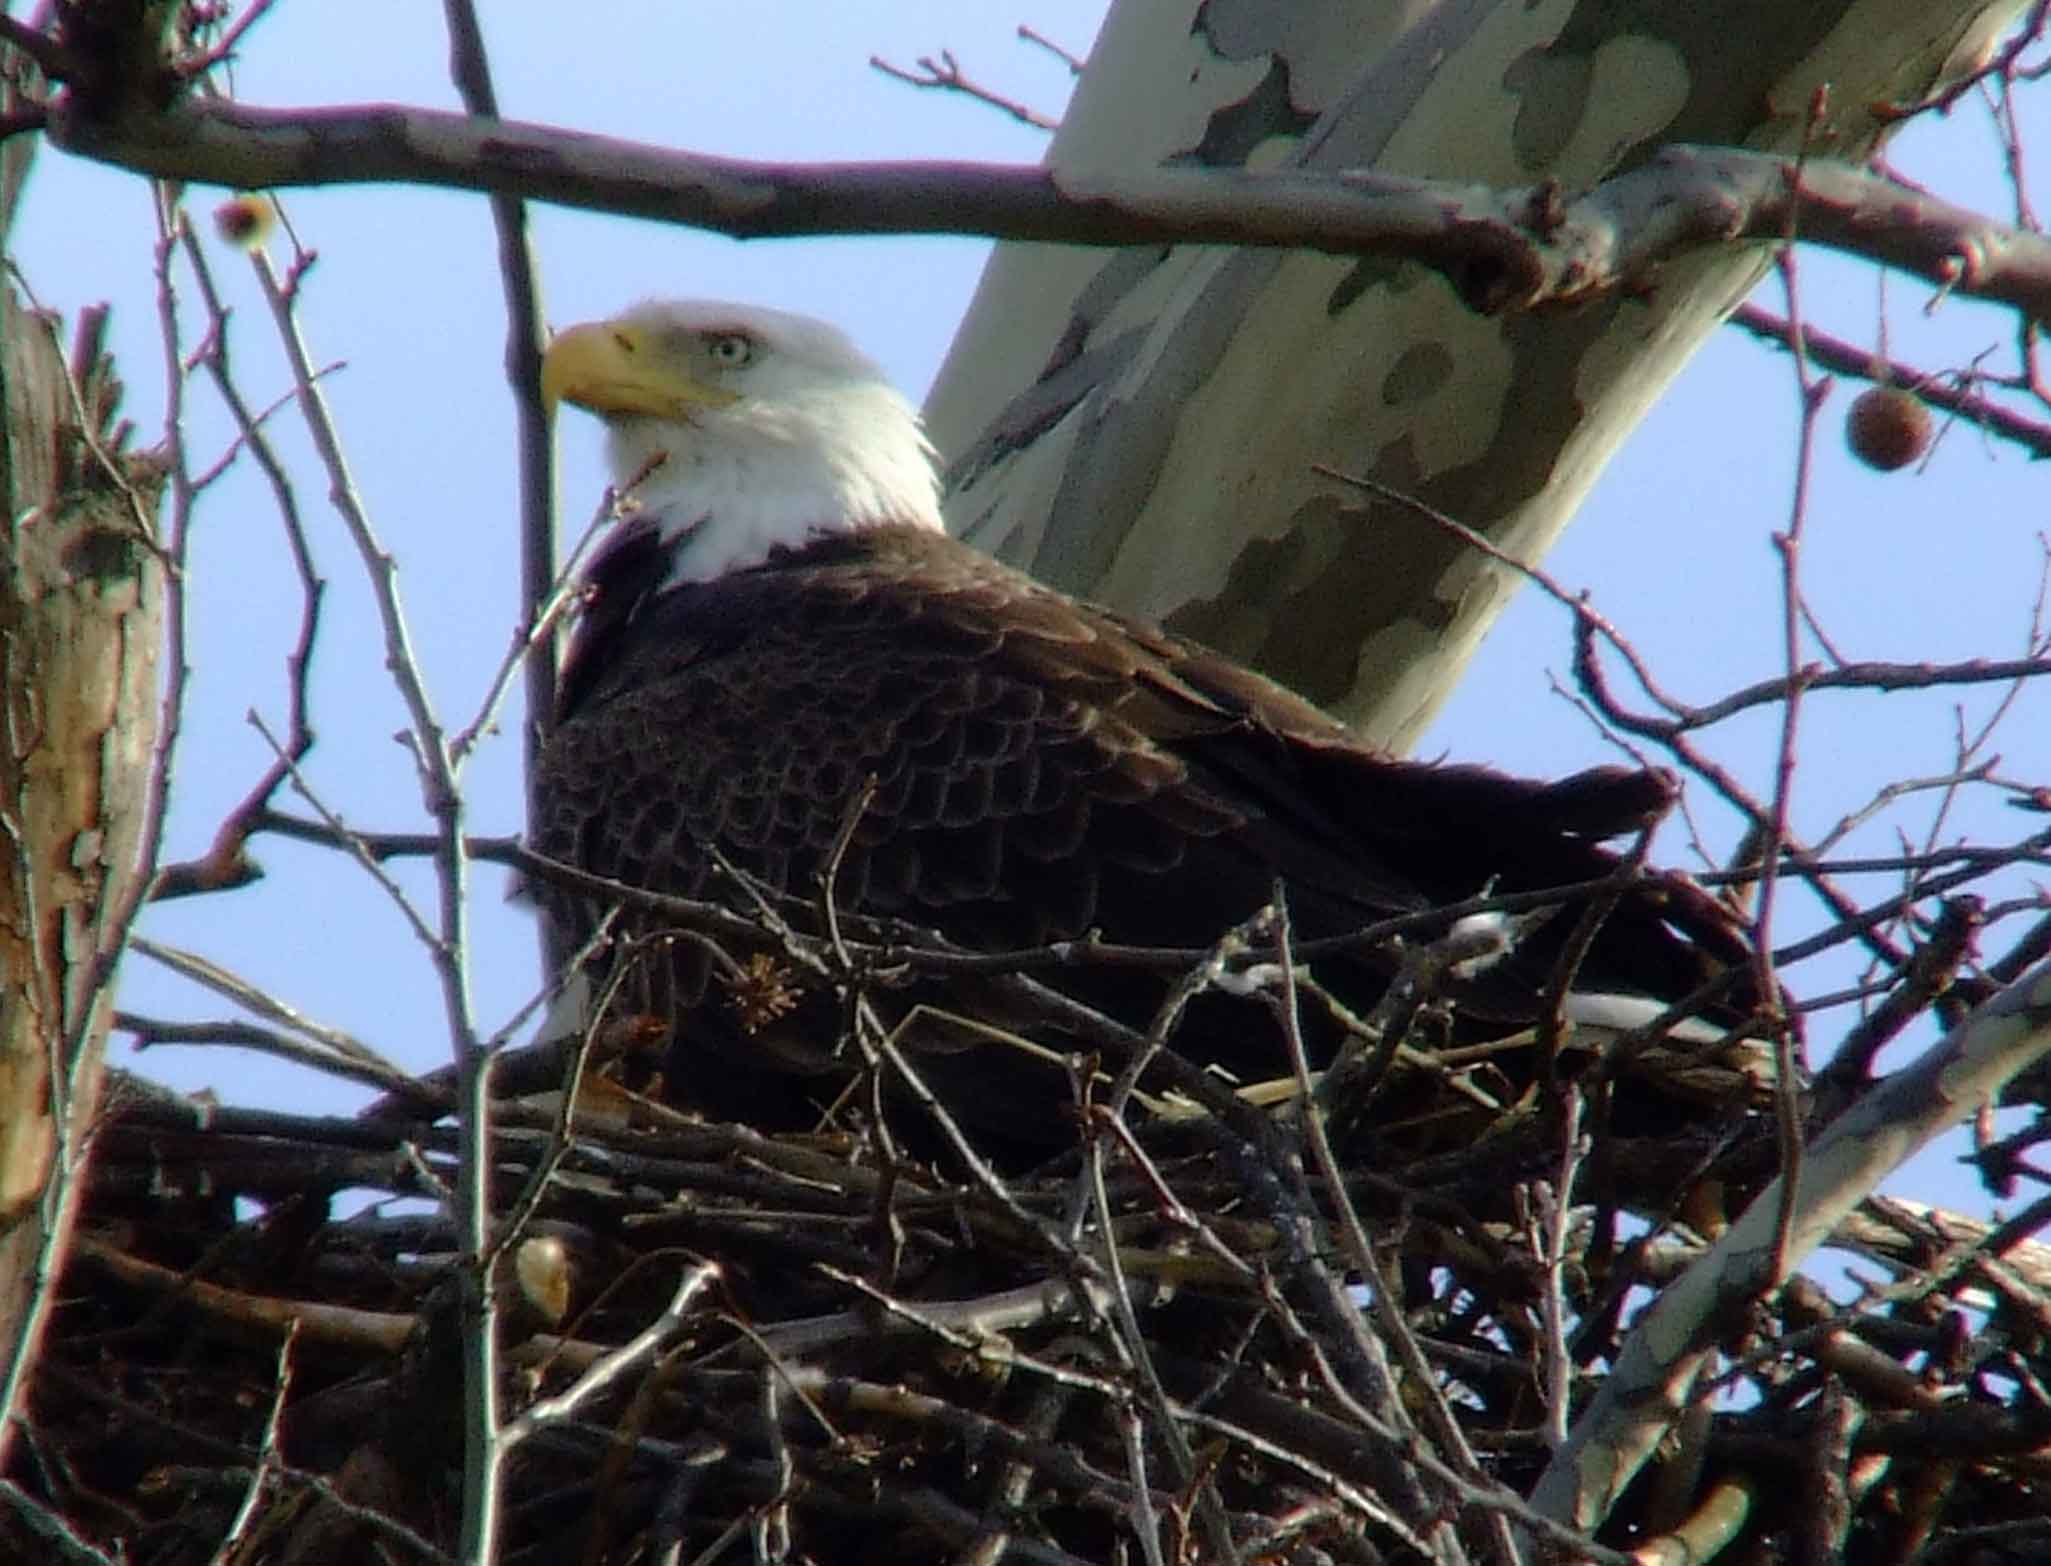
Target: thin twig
50	1527
539	628
1845	358
526	334
636	1351
946	75
266	1452
1811	394
1420	1380
1067	57
1133	1348
235	1034
447	945
226	854
56	62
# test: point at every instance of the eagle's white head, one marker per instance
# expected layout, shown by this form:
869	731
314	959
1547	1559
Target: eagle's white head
773	429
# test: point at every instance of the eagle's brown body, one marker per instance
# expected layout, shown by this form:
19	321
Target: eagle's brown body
1042	768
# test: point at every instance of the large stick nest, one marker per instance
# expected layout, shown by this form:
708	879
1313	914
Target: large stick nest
1179	1341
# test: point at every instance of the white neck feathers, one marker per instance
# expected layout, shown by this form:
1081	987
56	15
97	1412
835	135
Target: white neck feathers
739	482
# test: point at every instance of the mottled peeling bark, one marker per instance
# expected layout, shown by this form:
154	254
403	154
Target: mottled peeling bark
1140	426
81	597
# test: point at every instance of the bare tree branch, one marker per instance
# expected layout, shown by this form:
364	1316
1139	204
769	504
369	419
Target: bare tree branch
1500	250
526	334
486	1444
1953	394
1654	1377
1067	57
945	74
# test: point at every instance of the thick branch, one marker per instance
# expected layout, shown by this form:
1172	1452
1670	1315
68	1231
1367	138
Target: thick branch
81	611
1654	1377
1500	249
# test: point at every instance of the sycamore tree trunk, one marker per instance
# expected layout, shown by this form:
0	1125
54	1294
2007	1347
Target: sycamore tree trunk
81	601
1140	426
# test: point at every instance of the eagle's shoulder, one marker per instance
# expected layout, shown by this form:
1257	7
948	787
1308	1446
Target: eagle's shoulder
891	587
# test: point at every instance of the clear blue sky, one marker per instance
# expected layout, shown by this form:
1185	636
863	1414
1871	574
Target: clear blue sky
1674	543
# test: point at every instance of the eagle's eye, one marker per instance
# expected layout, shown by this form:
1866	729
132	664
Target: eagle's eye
731	351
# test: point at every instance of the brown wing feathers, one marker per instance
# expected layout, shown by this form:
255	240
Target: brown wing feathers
1041	769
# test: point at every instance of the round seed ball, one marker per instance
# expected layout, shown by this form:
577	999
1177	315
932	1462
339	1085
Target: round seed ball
1887	428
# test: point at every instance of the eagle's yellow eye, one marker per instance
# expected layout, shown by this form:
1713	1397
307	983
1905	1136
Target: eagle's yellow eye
730	351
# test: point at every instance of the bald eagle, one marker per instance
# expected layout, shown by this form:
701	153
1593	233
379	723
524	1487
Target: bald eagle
781	625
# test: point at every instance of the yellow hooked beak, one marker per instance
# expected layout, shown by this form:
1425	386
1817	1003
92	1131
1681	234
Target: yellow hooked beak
617	369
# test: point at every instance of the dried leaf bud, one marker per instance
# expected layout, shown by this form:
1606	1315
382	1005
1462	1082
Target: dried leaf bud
246	221
1887	428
